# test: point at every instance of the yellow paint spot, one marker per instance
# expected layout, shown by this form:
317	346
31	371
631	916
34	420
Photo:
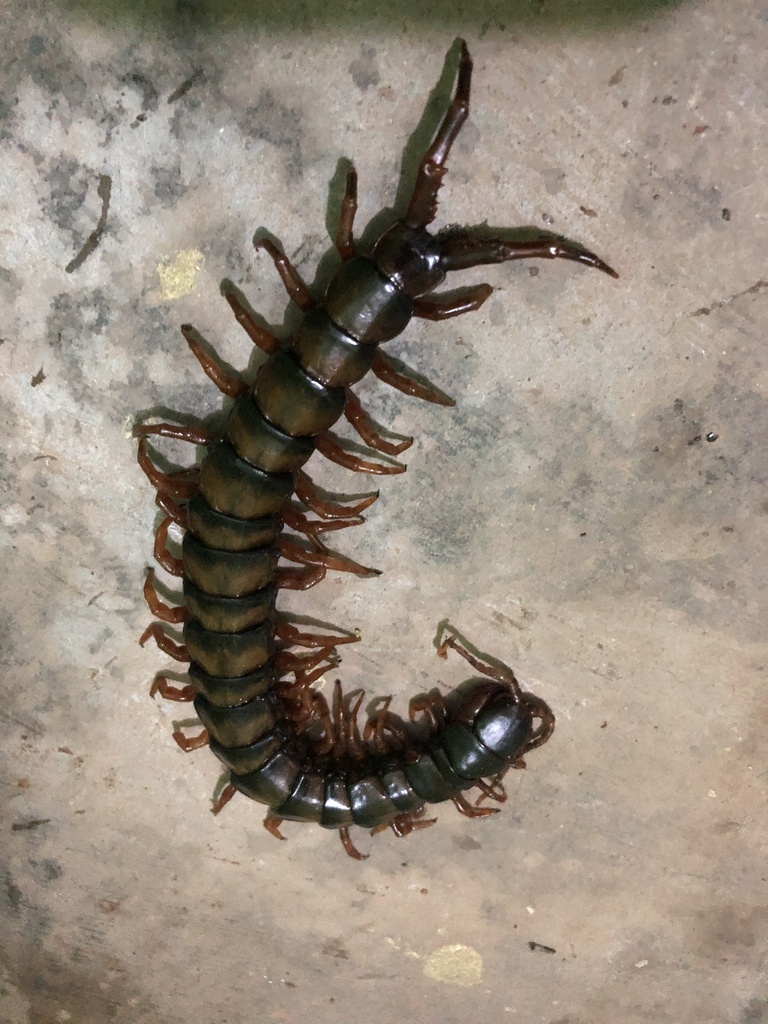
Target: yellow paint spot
455	965
178	274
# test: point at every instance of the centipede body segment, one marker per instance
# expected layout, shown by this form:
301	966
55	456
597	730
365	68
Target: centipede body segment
250	508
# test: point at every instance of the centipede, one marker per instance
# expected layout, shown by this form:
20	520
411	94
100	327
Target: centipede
254	523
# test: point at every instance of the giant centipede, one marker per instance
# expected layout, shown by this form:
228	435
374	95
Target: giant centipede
281	743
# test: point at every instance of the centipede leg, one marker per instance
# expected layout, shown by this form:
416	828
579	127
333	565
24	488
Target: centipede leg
231	384
288	632
182	484
306	491
287	661
223	798
375	727
353	741
385	370
171	508
422	208
259	335
321	556
463	806
272	824
498	672
164	612
177	651
306	679
383	724
432	706
299	579
437	307
190	743
294	285
345	242
363	424
349	846
313	527
195	435
405	823
541	710
328	445
304	707
163	557
162	685
495	791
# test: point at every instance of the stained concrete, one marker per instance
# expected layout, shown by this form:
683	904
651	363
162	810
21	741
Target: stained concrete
593	511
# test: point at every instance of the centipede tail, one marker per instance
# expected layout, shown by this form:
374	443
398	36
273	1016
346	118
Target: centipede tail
249	679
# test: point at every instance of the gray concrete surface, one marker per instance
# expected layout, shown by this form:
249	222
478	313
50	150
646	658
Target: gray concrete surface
569	515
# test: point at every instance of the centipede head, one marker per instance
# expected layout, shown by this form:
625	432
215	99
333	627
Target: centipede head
502	717
410	258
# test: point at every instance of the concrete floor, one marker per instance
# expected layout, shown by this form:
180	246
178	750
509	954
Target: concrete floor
593	512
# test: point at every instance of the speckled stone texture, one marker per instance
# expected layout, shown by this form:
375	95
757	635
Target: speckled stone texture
593	512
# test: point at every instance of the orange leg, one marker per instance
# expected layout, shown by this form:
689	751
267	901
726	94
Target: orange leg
295	287
189	743
171	508
299	579
385	370
383	723
432	706
321	556
353	741
307	678
166	645
494	791
182	484
223	798
168	691
163	611
313	527
349	846
307	492
404	824
500	673
328	445
289	662
288	632
463	806
259	335
195	435
272	824
345	242
231	384
163	557
436	307
363	424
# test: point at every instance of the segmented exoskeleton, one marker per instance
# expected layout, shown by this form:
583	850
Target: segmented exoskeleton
277	737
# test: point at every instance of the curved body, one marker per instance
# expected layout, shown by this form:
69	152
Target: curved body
380	787
280	742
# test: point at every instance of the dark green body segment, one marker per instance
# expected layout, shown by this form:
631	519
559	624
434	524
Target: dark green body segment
328	354
243	760
373	793
238	726
229	654
365	304
227	573
229	552
230	691
229	614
